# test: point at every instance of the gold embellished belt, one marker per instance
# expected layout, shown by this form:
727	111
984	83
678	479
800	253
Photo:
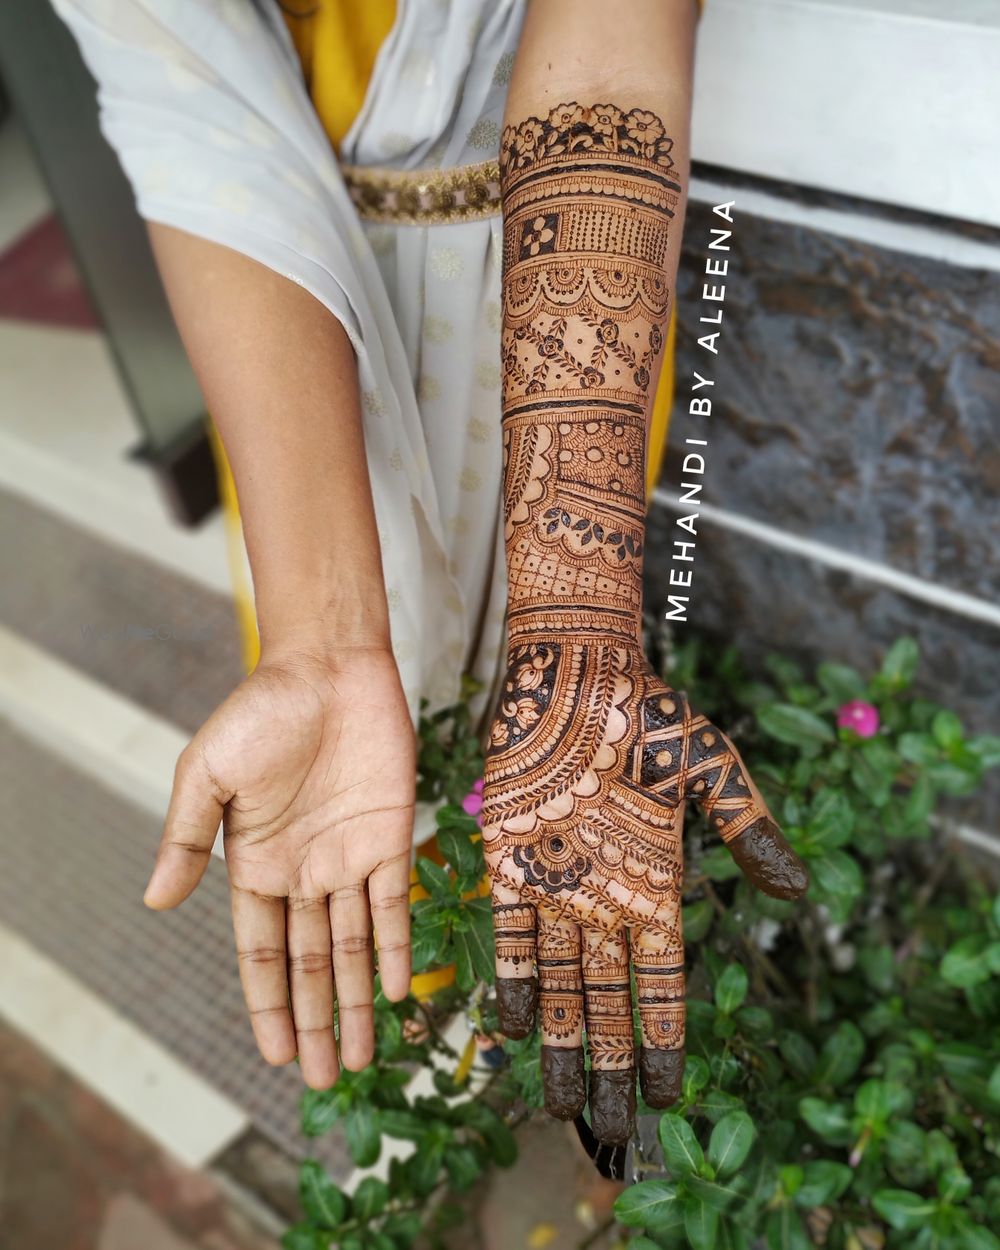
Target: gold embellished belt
425	197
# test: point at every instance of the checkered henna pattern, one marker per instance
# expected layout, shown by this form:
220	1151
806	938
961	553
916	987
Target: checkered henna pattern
591	756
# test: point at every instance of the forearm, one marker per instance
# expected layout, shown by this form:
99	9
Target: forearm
280	379
593	198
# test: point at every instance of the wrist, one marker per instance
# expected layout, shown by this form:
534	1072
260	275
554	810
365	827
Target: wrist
326	628
564	626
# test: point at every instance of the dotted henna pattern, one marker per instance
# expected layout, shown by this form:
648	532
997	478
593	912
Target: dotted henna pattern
591	757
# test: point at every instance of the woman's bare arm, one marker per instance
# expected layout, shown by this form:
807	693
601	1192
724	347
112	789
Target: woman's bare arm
280	378
310	763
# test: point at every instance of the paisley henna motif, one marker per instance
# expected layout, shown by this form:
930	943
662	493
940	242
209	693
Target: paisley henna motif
591	758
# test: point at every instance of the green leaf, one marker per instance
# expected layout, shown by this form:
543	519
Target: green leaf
828	1120
920	803
370	1197
696	1076
831	820
794	725
361	1128
823	1181
423	1167
906	1152
947	730
434	878
462	1166
918	749
646	1204
681	1148
426	941
701	1222
837	876
731	1235
459	850
987	747
840	682
715	1103
841	1055
902	1209
877	1101
974	1237
874	769
322	1201
955	779
304	1237
321	1109
730	1142
731	989
501	1144
718	864
474	945
964	963
715	1194
696	920
797	1052
784	1230
900	663
451	816
954	1185
402	1123
755	1022
940	1151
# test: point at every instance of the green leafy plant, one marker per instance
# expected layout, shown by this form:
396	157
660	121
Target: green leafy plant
842	1085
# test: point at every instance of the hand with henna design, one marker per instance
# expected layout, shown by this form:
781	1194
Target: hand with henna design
592	761
592	758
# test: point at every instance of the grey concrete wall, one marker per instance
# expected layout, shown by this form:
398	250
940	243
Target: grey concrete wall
857	404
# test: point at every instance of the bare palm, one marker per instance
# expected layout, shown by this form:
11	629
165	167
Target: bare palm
310	766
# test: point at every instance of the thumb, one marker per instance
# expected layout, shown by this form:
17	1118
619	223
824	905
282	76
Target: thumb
192	822
718	781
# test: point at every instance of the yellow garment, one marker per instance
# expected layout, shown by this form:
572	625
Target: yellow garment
337	42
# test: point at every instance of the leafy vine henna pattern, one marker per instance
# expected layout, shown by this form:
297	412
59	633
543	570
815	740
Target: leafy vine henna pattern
591	757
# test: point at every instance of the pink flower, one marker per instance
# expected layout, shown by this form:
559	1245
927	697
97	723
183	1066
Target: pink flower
472	804
859	716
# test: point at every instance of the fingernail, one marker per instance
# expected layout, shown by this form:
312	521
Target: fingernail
612	1105
563	1080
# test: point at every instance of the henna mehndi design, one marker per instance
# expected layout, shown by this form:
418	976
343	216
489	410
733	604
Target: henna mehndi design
591	757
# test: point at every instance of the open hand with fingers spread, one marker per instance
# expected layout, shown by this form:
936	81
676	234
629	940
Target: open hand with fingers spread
592	758
591	762
310	765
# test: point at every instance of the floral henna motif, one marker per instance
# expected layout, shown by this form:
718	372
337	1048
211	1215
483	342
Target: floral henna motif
591	757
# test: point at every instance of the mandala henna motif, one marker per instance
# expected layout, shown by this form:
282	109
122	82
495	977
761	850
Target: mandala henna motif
591	757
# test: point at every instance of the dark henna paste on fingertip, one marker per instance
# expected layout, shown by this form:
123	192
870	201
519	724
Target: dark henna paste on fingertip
517	1004
768	861
661	1073
612	1105
564	1081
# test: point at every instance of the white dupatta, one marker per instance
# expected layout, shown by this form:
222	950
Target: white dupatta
204	102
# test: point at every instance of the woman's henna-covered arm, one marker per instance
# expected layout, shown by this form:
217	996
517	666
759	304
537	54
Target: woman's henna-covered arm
592	757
